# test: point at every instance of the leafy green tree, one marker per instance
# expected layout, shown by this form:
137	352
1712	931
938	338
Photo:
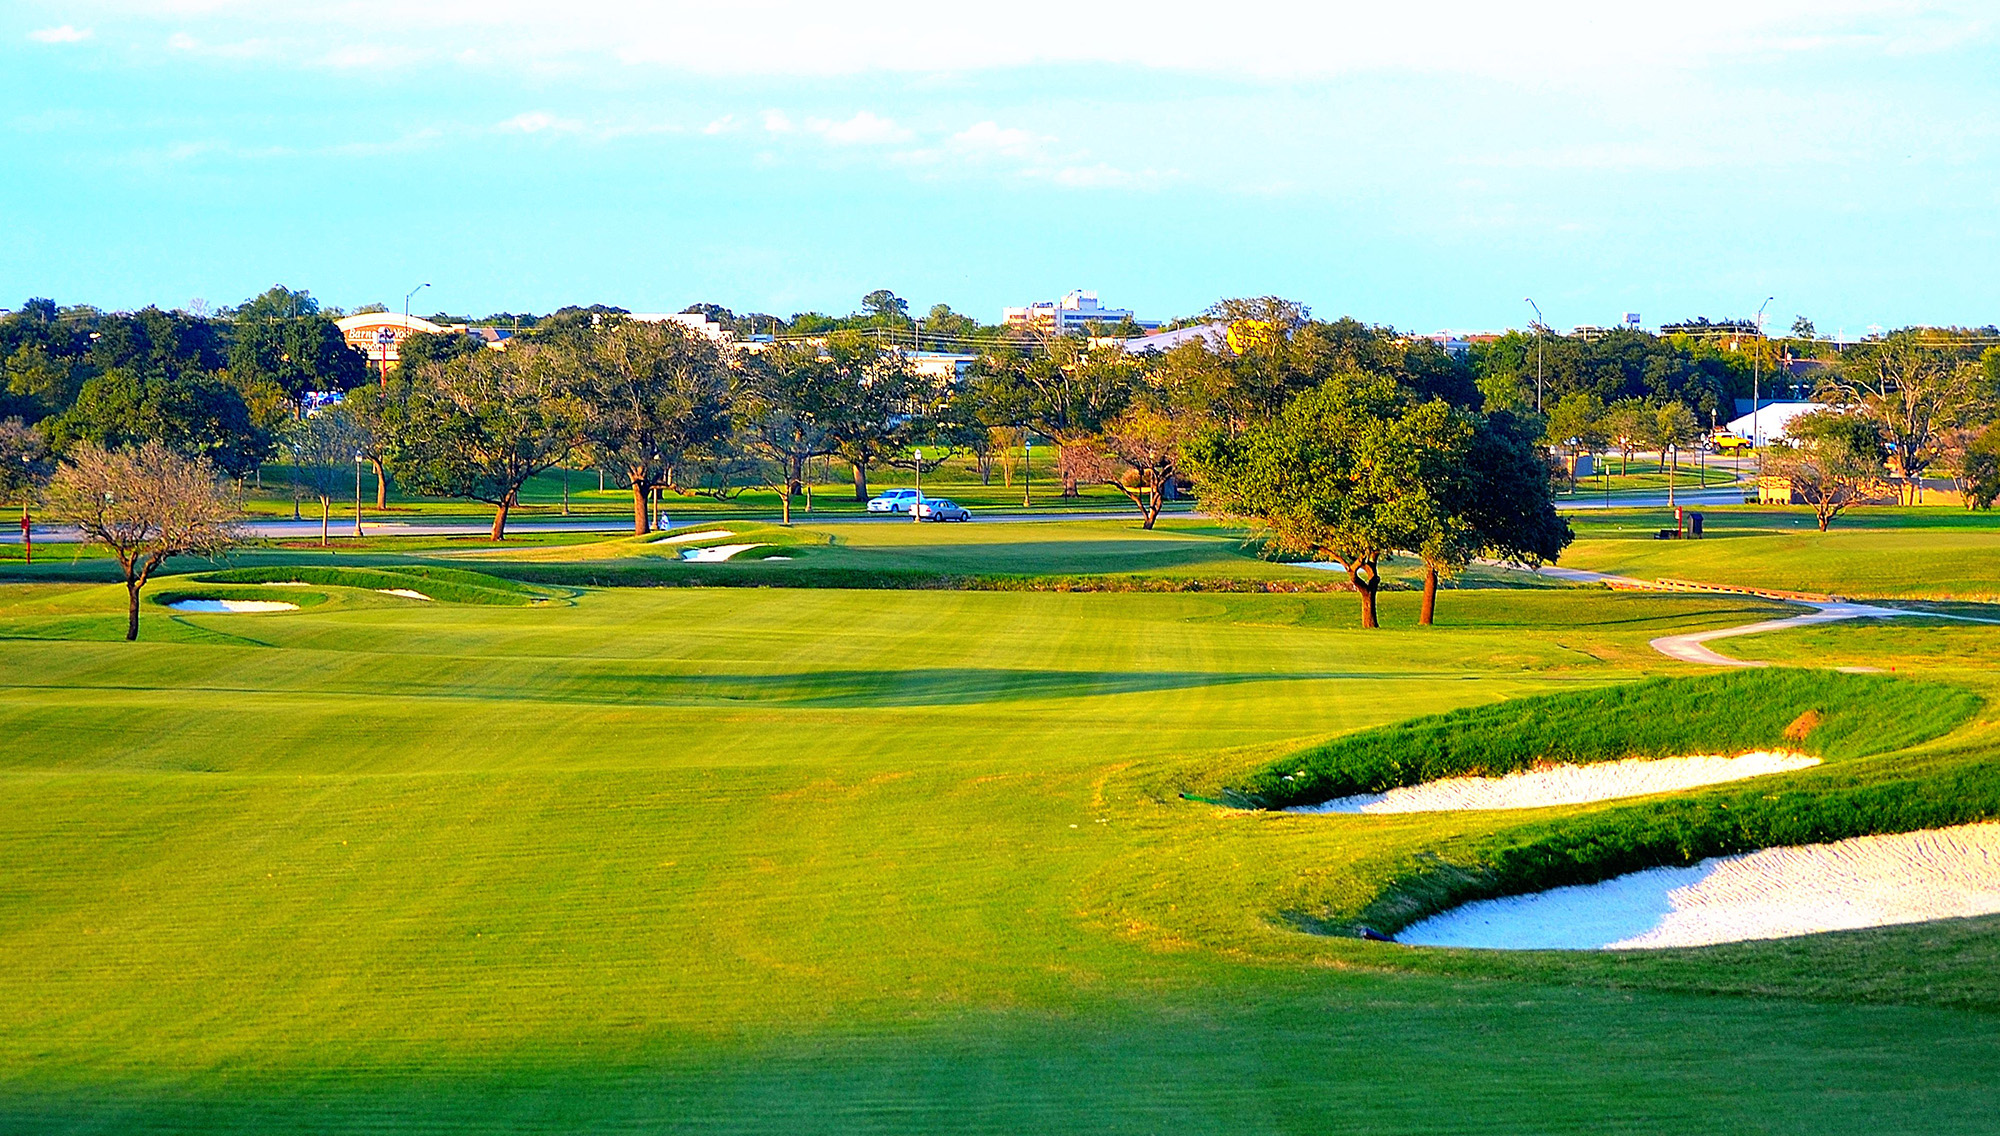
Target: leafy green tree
1673	427
143	504
650	393
296	354
196	414
1576	425
789	396
1148	441
1066	395
1979	468
1317	477
479	426
885	306
1627	425
24	460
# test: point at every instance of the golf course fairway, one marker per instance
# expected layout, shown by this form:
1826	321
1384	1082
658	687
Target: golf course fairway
817	860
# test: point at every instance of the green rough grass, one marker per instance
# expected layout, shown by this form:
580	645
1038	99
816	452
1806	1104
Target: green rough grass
446	585
1733	712
820	860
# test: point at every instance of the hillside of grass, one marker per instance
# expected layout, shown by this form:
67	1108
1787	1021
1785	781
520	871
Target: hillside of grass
446	585
1824	713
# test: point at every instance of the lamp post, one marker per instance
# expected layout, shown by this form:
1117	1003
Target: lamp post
406	301
1541	325
1027	468
917	507
357	493
1756	375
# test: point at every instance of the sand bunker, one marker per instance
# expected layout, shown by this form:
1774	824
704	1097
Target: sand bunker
716	552
406	593
1566	784
1869	881
232	605
705	534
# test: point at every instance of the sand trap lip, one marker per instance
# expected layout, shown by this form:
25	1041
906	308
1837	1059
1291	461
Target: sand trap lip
1867	881
705	534
406	593
715	553
233	606
1566	784
287	584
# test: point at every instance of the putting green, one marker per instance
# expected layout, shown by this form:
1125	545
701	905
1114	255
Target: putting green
797	860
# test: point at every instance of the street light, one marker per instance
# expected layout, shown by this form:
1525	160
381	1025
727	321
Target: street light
357	493
406	301
917	507
1027	468
1756	376
1541	325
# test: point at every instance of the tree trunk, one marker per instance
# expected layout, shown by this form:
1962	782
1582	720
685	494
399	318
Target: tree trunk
642	517
381	485
1365	588
132	587
785	506
500	516
860	482
325	512
1429	609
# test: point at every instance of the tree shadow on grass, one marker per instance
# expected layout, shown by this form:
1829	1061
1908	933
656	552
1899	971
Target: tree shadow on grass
943	686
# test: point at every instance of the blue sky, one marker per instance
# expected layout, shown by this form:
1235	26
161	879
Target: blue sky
1426	166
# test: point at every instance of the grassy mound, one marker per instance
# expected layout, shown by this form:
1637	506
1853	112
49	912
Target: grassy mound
1824	713
446	585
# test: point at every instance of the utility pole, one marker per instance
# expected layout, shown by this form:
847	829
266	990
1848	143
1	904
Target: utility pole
1541	325
1756	377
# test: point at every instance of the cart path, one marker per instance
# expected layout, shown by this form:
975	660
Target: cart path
1690	647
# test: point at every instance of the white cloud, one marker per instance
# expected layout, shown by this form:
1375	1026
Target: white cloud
776	123
181	41
723	125
63	34
864	129
990	137
538	122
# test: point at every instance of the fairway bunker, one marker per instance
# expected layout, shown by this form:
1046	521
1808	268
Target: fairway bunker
705	534
715	554
1776	893
236	607
1566	784
406	593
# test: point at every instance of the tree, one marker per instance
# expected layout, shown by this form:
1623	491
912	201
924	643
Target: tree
867	408
787	398
24	460
1802	328
281	338
1979	468
1627	424
650	393
1576	424
1148	440
1067	395
323	448
193	413
144	504
882	304
1912	391
1312	477
1674	426
1832	460
481	425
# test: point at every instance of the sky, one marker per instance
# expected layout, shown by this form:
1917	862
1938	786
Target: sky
1424	164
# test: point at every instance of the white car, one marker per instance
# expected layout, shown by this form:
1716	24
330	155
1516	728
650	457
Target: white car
893	501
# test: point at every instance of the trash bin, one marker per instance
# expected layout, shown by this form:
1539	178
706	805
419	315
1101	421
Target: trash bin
1694	525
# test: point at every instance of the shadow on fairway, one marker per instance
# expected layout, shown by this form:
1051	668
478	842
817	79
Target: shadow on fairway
944	686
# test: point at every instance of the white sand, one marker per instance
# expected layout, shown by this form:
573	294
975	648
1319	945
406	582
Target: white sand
705	534
232	605
406	593
287	584
716	552
1869	881
1566	784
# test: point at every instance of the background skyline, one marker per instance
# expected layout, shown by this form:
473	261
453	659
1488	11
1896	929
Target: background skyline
1426	168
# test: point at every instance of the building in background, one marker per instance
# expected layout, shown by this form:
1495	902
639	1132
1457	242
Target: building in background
1072	313
378	334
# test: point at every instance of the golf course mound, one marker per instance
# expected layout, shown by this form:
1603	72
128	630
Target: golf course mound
416	581
1775	893
1567	784
1812	713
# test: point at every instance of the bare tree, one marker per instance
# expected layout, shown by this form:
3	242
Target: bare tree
1832	463
1912	391
324	448
1148	442
144	505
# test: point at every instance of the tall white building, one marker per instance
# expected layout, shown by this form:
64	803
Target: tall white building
1069	314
